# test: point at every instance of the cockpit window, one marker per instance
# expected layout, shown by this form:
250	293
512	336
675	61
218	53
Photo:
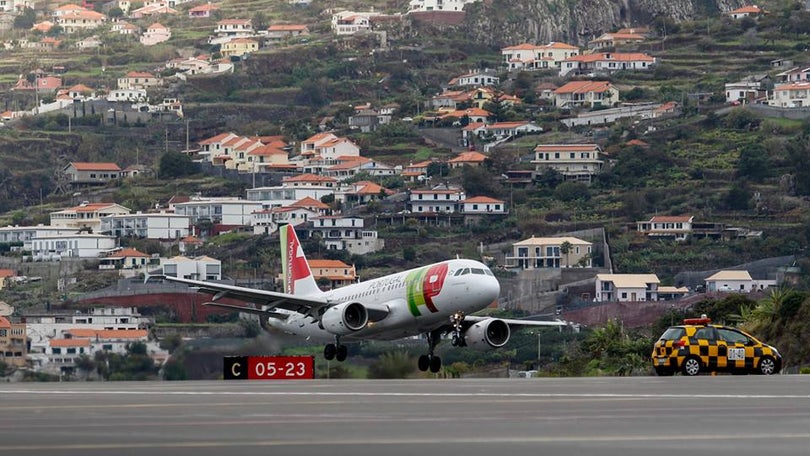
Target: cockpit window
478	271
489	273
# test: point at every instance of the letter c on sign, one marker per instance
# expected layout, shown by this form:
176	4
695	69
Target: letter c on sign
236	373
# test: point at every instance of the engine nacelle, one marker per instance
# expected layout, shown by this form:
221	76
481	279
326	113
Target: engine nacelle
345	318
486	335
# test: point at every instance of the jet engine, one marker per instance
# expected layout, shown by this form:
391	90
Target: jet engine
487	334
345	318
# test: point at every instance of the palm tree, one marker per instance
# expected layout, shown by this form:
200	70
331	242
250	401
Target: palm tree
565	249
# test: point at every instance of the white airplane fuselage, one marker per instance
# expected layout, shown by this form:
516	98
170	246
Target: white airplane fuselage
416	301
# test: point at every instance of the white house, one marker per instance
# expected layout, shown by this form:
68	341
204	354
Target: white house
20	237
626	287
677	227
606	62
577	94
86	216
227	212
438	5
437	200
482	205
55	247
346	233
351	22
736	281
793	95
475	79
267	221
577	162
197	268
147	226
547	252
155	33
537	57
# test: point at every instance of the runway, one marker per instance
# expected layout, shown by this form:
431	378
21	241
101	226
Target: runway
718	415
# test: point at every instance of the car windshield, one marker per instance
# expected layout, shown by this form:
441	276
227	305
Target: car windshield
673	333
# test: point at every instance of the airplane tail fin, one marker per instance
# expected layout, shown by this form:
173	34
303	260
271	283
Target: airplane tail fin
298	278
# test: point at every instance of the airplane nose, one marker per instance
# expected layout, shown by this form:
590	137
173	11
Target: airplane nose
492	288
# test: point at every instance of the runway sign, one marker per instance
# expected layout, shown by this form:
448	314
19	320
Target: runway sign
269	367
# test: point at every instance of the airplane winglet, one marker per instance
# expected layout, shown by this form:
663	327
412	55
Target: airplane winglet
146	277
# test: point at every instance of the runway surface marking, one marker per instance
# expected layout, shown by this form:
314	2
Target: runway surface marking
420	440
406	394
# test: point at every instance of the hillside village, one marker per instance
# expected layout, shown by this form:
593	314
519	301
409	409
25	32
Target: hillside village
329	185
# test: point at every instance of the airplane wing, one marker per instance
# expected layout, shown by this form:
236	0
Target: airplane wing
269	299
514	322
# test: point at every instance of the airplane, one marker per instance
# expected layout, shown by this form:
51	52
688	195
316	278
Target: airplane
436	300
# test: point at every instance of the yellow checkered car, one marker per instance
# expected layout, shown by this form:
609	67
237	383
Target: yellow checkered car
698	346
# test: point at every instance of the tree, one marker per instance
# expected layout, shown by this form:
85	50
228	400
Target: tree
175	164
753	163
25	20
565	249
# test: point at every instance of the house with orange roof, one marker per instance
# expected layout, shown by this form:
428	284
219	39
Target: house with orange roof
577	94
83	173
607	40
471	114
154	34
125	28
152	9
746	11
189	244
309	180
239	47
336	272
346	168
267	220
42	27
269	157
576	162
471	158
139	80
501	130
125	259
46	84
530	57
5	277
278	32
214	146
415	172
13	342
203	11
86	215
677	227
80	92
482	205
440	199
449	99
361	192
80	21
606	63
309	146
793	95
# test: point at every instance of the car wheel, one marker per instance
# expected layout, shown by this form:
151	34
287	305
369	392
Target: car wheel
691	366
767	366
664	372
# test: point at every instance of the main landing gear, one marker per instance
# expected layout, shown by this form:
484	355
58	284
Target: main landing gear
431	361
335	351
457	340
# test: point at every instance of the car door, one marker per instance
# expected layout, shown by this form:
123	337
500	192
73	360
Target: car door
712	351
740	350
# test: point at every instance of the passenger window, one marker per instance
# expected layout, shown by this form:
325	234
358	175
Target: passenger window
705	333
732	336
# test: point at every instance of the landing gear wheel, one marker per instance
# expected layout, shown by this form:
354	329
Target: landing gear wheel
691	366
424	363
342	352
435	364
329	352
